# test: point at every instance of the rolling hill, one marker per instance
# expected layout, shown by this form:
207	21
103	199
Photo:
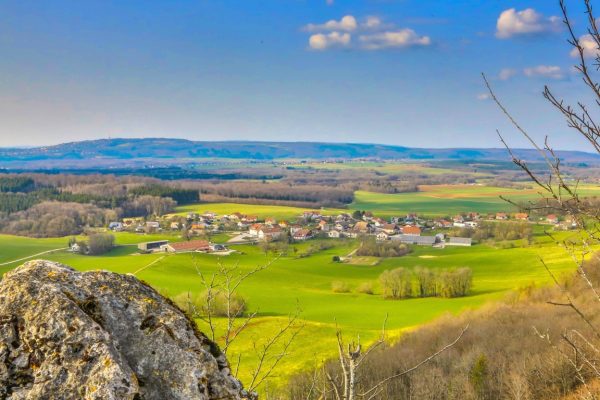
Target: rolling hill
163	150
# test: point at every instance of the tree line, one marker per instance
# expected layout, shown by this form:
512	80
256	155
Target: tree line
402	283
370	247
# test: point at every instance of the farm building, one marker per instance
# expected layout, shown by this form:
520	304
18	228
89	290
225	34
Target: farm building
411	230
192	245
148	247
417	240
459	241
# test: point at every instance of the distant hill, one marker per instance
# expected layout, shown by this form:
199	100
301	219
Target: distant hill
105	151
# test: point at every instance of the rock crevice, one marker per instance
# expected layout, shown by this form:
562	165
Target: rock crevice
99	335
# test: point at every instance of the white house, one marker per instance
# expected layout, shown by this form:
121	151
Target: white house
382	236
334	234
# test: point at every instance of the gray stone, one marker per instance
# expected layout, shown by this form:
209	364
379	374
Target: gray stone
99	335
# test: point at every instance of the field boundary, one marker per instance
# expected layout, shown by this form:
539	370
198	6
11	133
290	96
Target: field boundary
32	256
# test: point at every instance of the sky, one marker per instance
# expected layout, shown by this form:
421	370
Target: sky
400	72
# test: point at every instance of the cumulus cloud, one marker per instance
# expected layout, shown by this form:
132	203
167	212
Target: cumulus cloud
526	22
373	34
545	71
393	39
589	45
372	22
324	41
483	96
348	24
507	73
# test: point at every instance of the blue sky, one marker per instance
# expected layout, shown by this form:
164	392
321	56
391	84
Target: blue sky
403	72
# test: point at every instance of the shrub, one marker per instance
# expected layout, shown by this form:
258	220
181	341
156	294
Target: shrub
365	287
215	302
370	247
396	284
100	243
340	287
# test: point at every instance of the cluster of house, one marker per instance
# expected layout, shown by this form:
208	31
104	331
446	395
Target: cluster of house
164	246
407	229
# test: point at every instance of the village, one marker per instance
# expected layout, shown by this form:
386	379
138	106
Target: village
411	229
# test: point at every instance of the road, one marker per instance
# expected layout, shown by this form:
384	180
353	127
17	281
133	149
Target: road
32	256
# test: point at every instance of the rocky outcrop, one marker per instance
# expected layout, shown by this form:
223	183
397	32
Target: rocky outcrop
99	335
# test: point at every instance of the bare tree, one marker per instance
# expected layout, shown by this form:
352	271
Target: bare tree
222	287
351	357
560	194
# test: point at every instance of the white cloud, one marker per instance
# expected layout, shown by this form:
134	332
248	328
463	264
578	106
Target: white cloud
507	73
347	23
589	45
393	39
483	96
545	71
526	22
329	2
324	41
372	22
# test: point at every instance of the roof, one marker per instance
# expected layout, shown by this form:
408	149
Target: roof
460	240
302	233
413	230
273	229
192	245
411	239
361	225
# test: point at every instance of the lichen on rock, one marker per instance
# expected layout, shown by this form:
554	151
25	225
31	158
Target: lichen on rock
67	335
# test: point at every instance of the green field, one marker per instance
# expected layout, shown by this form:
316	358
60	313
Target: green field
446	200
306	283
443	200
293	283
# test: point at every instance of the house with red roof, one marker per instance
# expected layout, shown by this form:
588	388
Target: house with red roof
411	230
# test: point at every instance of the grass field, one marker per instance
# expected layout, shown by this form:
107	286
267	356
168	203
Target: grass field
293	283
385	167
441	200
306	283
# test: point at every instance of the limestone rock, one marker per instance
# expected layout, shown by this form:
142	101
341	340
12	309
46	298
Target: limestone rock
99	335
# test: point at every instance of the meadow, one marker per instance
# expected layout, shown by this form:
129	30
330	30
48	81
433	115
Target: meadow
304	284
444	200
